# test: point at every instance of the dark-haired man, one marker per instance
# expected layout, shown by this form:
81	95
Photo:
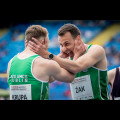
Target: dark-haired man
88	62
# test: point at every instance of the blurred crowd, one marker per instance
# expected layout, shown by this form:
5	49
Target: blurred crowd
112	49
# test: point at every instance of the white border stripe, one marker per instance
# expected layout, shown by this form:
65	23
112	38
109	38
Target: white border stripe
41	91
99	84
99	69
107	91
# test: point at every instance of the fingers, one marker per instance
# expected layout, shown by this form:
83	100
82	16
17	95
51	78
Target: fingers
32	47
77	42
36	41
37	44
31	44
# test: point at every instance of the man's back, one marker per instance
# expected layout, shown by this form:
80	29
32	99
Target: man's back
29	74
26	81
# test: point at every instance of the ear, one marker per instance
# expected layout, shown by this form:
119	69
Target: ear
79	37
26	43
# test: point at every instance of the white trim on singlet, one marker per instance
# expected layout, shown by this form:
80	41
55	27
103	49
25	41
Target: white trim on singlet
107	91
98	68
24	58
41	91
99	84
34	76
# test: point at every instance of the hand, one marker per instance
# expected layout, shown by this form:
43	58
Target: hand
38	48
79	49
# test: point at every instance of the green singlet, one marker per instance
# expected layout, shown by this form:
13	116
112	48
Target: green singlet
90	84
22	83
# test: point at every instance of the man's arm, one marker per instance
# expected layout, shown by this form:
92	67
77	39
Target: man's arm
84	62
94	55
51	79
111	76
58	73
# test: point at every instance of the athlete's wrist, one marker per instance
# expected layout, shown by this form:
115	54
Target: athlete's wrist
46	54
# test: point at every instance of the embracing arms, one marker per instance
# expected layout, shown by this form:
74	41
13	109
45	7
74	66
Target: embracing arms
92	57
55	72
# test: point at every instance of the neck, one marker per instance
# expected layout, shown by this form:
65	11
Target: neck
84	49
28	51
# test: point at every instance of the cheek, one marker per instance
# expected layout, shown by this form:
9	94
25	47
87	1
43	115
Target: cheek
60	48
71	47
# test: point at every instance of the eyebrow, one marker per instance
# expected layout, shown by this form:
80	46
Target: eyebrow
66	42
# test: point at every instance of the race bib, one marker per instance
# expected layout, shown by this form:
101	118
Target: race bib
20	92
81	88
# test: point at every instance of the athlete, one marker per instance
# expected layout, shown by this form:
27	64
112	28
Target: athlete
29	74
88	62
114	81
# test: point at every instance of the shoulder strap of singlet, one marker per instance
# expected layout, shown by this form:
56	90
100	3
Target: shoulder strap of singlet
86	50
88	47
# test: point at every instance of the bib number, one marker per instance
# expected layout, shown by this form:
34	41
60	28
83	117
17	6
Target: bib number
81	88
20	92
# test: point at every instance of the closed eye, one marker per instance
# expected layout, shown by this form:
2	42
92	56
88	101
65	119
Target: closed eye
66	44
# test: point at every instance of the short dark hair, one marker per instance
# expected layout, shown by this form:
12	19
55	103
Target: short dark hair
74	30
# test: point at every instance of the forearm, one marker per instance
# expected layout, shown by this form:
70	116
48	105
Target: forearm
64	76
67	64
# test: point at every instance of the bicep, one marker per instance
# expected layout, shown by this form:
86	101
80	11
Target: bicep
111	75
89	59
61	74
65	76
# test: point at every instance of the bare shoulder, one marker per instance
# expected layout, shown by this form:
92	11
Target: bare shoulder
111	75
97	48
49	66
112	72
45	62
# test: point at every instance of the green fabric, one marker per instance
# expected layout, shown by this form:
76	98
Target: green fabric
20	74
99	81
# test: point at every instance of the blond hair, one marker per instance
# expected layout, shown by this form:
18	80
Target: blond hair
36	31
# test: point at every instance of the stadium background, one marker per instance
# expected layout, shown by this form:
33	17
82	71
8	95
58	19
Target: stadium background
103	32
